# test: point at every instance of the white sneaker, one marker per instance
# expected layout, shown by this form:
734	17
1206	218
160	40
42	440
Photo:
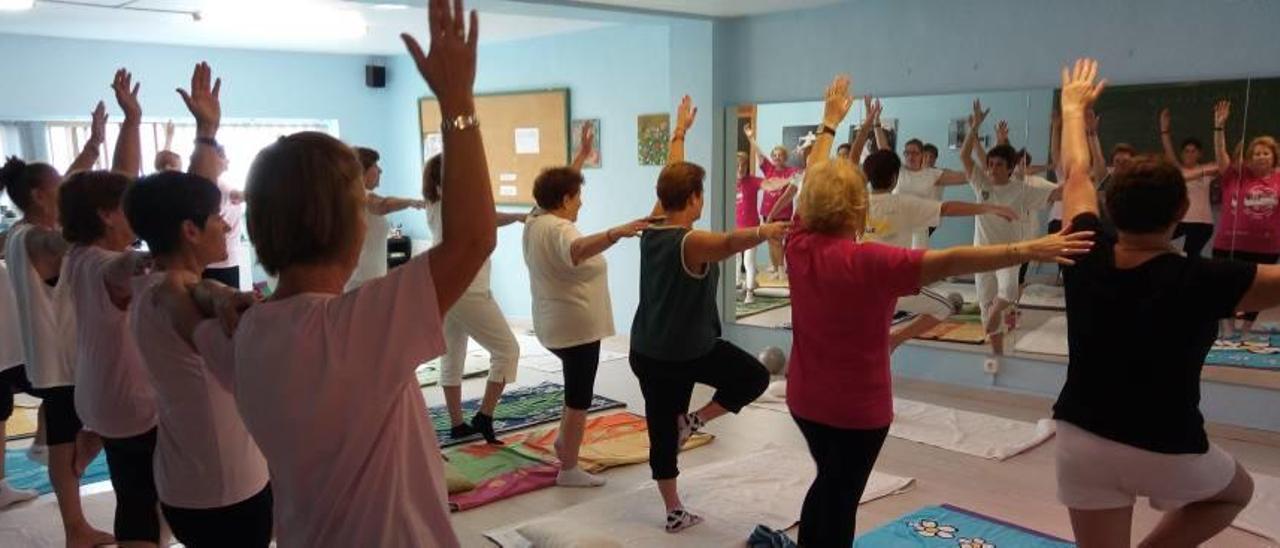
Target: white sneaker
687	424
10	495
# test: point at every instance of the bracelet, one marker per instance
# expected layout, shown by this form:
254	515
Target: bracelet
1216	128
460	123
758	233
210	141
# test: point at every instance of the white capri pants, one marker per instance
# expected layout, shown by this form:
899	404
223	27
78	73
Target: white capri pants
927	303
477	315
1002	284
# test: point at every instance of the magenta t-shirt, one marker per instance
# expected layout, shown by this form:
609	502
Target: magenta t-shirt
1250	218
843	296
749	201
771	197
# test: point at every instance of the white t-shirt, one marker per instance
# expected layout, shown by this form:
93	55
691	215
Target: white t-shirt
205	457
10	331
233	215
326	385
45	315
922	183
373	253
893	219
113	394
571	304
1025	196
435	221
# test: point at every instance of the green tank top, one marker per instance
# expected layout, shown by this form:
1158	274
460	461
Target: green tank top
677	319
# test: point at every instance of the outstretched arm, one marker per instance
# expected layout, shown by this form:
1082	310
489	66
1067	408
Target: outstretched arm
686	113
204	104
585	149
1166	141
967	209
971	140
589	246
1079	92
382	205
835	108
1221	113
93	147
702	247
870	119
1059	248
127	159
1097	158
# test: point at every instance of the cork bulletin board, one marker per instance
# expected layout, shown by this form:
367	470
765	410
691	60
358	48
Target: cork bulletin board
524	132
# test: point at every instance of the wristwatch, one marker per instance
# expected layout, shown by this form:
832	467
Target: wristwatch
460	123
828	130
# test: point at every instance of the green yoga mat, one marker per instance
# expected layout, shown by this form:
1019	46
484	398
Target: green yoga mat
760	304
518	408
23	473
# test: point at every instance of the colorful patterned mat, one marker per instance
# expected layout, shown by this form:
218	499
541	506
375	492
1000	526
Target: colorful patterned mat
759	304
948	526
518	408
23	473
1250	357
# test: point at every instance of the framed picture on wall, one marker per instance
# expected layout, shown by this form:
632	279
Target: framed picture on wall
797	140
653	134
575	134
959	130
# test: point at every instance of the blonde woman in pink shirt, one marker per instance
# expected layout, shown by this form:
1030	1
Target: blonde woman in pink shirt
324	379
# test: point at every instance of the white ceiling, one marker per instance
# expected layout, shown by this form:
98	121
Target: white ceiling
382	38
709	8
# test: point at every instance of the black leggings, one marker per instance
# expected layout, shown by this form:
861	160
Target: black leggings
12	381
1248	257
132	477
58	407
1198	236
738	377
246	523
844	458
580	365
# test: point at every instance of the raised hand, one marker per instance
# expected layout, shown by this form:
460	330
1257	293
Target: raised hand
1002	132
1079	91
686	113
837	101
979	115
1166	120
98	125
871	110
127	95
450	66
1060	247
587	138
1221	112
203	100
1091	120
749	132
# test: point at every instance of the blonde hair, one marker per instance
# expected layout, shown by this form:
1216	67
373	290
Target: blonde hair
305	194
1269	142
834	197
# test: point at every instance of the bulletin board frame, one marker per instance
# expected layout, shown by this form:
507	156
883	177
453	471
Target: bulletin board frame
501	114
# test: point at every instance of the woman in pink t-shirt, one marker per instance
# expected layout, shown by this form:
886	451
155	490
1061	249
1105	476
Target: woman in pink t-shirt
779	191
748	210
843	294
1249	228
324	379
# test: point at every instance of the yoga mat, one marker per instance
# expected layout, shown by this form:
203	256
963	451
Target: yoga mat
496	472
22	473
1043	297
760	304
22	424
764	487
1050	338
518	408
953	527
1243	357
609	441
1262	516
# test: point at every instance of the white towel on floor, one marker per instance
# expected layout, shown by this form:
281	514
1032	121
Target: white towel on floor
766	487
1262	516
1050	338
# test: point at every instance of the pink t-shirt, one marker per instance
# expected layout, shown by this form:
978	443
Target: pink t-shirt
113	395
326	385
1250	219
205	457
771	197
843	295
748	201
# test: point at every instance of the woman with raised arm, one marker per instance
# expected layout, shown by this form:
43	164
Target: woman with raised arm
778	196
364	471
572	310
1249	229
844	291
166	158
1197	225
34	249
210	477
113	396
675	337
373	253
1128	417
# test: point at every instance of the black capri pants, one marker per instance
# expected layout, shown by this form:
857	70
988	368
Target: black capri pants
1248	257
134	481
844	458
580	365
738	377
61	423
12	381
245	524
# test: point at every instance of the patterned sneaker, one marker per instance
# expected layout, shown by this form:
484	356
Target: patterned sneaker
679	520
688	424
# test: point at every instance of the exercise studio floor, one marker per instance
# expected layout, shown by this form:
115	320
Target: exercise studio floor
1018	490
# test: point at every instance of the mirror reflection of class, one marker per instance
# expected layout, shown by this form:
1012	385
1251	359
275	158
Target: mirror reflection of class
1003	188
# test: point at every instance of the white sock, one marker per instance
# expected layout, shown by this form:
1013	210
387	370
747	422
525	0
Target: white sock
577	477
10	495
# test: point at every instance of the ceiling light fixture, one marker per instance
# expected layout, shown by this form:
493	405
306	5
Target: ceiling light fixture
16	5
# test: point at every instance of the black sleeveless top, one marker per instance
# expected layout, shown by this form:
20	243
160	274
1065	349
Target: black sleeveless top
677	319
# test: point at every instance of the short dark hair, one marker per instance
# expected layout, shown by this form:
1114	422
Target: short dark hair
157	205
432	179
20	179
368	157
844	146
1004	152
555	185
1193	142
1146	195
1123	148
83	196
929	147
678	183
881	168
918	143
1024	154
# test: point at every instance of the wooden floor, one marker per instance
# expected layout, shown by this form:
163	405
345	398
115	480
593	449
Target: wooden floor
1020	490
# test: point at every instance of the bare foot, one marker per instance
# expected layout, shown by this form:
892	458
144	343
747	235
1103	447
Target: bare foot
87	537
88	445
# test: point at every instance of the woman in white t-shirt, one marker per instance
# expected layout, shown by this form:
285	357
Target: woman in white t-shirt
1197	225
373	254
325	379
477	316
572	311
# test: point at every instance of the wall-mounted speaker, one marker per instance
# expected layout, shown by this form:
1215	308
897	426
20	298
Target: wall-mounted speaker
375	76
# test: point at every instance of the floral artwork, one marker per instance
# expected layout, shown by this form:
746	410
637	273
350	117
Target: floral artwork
653	136
575	133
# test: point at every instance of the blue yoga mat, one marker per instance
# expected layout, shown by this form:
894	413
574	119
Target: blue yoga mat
1245	358
23	473
953	527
